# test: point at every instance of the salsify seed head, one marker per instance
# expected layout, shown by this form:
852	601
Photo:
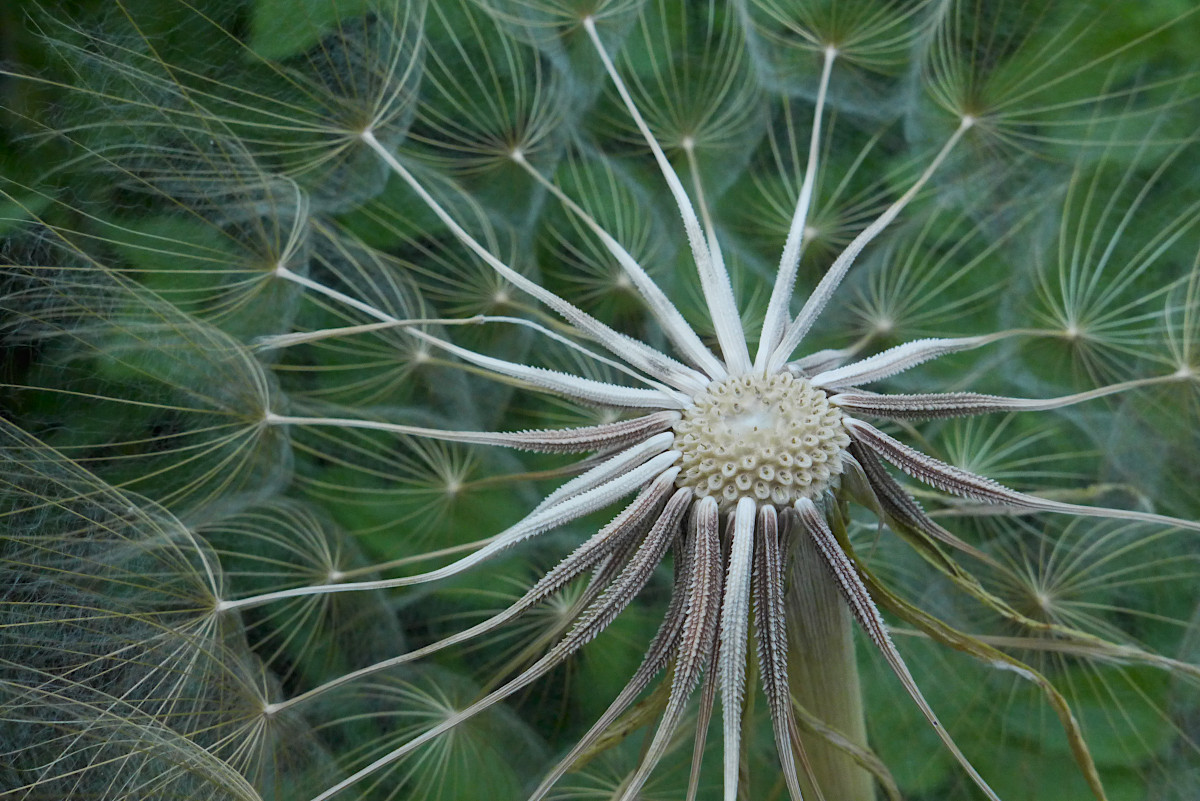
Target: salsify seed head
298	325
773	438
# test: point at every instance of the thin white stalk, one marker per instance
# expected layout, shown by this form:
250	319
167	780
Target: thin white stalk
608	469
951	404
329	292
673	324
582	558
557	337
820	297
424	556
863	608
776	319
770	625
739	363
650	667
826	359
584	389
287	340
614	600
898	359
537	522
735	622
715	284
637	353
304	337
703	609
564	440
966	484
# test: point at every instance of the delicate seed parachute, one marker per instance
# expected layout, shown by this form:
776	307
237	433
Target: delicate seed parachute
444	400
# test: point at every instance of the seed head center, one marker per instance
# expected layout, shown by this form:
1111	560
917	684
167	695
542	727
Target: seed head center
774	439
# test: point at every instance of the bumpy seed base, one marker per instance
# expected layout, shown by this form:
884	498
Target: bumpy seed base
770	438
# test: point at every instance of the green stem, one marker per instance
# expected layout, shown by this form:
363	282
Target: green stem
824	676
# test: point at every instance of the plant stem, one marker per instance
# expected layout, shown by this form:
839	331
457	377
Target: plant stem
824	675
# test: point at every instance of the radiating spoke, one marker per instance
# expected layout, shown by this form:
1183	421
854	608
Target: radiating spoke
696	642
897	360
741	364
715	284
776	319
614	600
539	521
817	301
294	338
894	502
825	359
662	648
607	469
735	620
389	322
585	389
554	440
636	353
572	386
708	517
771	628
957	481
925	406
864	611
610	541
674	326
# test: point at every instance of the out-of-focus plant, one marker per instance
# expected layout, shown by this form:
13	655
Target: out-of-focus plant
338	336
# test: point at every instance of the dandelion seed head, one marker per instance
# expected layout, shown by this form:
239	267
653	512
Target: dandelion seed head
509	152
1044	601
772	439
